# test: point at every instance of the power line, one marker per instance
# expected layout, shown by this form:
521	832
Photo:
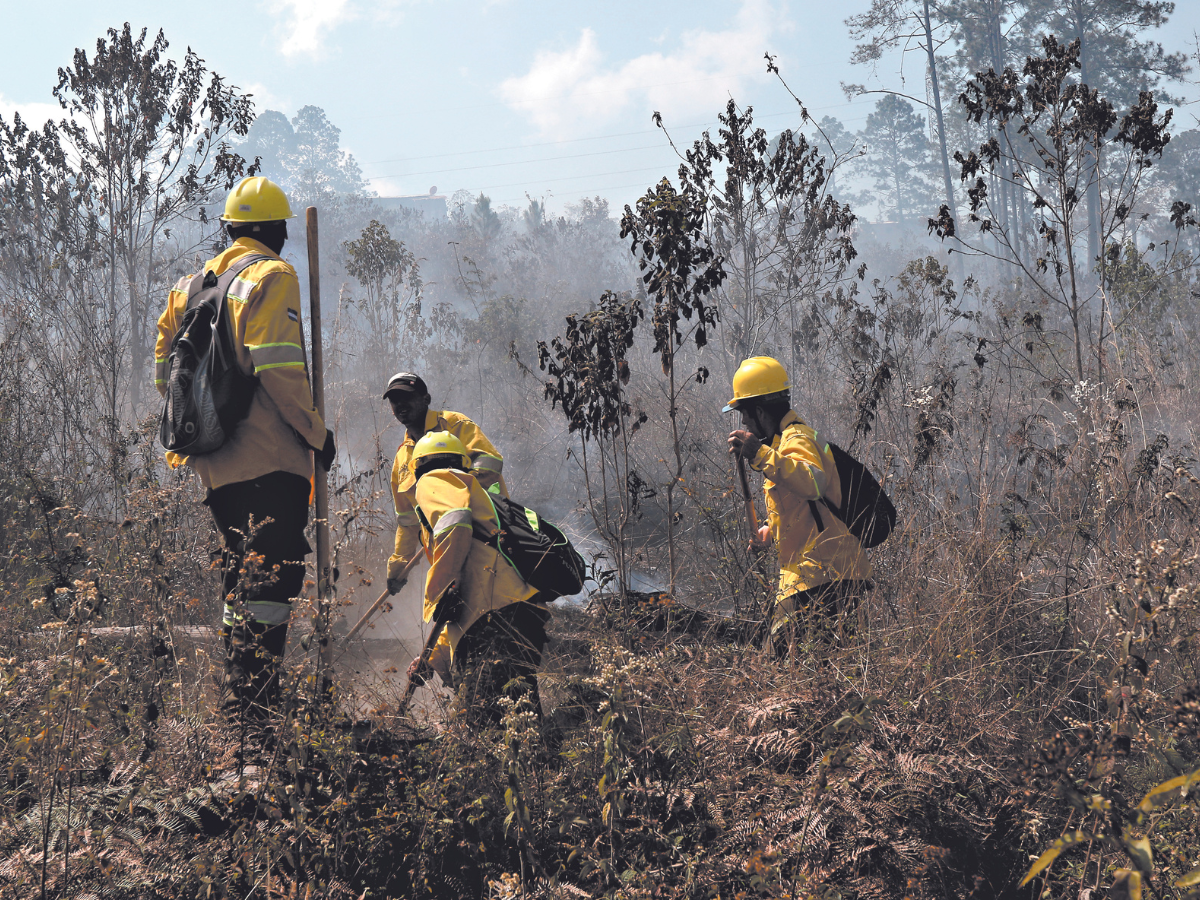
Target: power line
599	137
522	162
492	187
544	97
581	193
537	160
598	93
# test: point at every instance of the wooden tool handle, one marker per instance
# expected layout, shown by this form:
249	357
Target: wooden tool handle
382	597
320	476
751	512
430	642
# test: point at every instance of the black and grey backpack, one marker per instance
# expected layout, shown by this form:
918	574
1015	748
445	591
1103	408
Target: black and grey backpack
207	393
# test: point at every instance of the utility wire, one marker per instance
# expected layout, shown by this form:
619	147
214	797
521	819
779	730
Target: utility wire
599	137
492	187
667	169
580	193
523	162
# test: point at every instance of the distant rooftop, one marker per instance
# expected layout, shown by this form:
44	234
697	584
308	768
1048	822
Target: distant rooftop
433	204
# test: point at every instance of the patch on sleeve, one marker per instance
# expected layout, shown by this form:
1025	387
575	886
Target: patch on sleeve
293	315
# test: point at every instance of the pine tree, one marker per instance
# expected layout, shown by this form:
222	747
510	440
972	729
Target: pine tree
1114	59
891	23
304	155
898	158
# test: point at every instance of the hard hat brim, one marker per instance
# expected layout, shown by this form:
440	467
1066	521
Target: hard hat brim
256	221
731	406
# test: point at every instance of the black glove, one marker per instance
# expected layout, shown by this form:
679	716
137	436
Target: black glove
419	671
329	451
395	584
750	447
449	606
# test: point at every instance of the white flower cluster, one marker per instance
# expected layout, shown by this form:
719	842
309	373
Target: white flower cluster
623	669
921	399
520	721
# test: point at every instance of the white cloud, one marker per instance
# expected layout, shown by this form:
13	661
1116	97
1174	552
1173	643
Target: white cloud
389	13
33	115
578	85
264	98
304	24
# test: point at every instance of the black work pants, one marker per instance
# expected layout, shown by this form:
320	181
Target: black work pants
827	613
501	652
258	591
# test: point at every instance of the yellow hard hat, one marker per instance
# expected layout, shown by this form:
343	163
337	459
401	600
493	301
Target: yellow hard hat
257	199
758	376
440	443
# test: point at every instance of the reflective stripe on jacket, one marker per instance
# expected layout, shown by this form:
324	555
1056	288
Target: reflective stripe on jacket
486	465
797	470
282	424
451	502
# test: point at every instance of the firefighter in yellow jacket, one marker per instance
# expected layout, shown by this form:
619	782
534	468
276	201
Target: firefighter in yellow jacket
492	633
259	482
823	568
410	399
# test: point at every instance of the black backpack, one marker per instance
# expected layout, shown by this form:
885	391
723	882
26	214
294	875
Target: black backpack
536	548
207	393
865	509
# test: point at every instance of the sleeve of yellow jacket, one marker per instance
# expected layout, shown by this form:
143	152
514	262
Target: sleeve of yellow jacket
486	462
268	326
797	466
408	528
445	499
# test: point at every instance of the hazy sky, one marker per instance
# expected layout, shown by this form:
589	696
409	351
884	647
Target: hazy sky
509	97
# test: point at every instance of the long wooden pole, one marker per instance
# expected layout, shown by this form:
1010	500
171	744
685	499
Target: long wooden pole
321	476
751	512
378	603
435	632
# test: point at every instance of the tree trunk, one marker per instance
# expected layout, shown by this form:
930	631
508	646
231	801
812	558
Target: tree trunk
1093	161
996	48
947	183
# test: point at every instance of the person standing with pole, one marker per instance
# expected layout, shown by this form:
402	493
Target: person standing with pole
258	483
823	568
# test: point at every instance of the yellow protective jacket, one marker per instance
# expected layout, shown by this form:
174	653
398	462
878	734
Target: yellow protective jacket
487	465
450	503
798	470
282	423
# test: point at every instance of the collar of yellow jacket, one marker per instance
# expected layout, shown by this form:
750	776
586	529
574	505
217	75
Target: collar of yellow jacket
792	418
431	421
239	248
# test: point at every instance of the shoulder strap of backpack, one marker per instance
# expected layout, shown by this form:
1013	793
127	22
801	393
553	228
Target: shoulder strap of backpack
209	279
812	504
196	285
493	539
816	514
480	532
424	521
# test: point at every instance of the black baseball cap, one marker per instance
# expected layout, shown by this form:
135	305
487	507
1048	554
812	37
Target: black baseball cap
406	381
